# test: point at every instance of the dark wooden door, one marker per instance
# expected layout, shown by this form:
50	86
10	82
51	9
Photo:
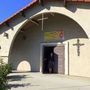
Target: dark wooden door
60	53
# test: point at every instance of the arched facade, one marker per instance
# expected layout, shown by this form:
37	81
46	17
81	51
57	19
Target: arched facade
77	19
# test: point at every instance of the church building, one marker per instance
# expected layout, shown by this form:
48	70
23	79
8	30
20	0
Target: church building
48	27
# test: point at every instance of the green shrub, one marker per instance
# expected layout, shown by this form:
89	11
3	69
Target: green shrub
5	69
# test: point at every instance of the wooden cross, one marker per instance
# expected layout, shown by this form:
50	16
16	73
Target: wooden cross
78	44
42	19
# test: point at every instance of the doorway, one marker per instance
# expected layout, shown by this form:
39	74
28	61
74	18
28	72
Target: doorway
50	60
58	52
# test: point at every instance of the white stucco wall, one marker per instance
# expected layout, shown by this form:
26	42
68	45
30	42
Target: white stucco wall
80	65
79	13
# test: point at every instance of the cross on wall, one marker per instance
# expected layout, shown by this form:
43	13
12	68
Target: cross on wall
78	44
42	19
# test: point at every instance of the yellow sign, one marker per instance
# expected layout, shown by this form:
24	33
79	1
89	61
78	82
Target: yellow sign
53	35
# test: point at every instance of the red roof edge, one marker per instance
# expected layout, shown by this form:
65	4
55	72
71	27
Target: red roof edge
6	20
85	1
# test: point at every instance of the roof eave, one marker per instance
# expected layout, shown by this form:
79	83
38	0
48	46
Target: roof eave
33	2
8	19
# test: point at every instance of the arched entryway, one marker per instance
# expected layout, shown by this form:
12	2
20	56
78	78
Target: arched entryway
27	43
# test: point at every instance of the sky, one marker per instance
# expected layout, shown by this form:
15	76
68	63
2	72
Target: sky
10	7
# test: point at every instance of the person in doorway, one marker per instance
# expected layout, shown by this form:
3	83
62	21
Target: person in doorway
51	63
45	70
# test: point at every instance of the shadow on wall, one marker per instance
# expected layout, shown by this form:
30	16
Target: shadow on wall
73	7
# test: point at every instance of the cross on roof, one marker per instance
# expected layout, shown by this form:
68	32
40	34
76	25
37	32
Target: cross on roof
78	44
42	19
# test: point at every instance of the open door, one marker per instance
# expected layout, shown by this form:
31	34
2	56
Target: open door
60	51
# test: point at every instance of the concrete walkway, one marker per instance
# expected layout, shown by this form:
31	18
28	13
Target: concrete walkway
38	81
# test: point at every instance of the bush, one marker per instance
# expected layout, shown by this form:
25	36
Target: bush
5	69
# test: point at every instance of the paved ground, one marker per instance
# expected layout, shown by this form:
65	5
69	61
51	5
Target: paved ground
37	81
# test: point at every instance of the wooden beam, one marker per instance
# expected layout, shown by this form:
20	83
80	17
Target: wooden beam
52	14
41	2
8	25
23	14
65	3
34	21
